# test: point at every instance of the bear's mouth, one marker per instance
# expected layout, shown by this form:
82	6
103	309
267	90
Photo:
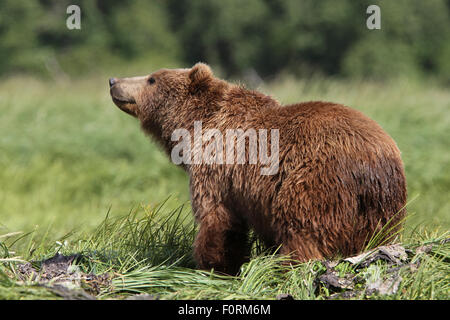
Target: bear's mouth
126	105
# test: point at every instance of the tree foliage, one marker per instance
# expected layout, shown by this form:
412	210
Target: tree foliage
266	36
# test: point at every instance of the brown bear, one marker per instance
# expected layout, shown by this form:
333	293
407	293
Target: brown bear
337	181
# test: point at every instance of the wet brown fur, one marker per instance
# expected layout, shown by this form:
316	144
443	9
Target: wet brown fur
340	175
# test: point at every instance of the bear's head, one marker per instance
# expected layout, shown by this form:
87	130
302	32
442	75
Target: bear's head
161	90
169	98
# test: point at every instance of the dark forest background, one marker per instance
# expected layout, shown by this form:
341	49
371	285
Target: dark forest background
261	37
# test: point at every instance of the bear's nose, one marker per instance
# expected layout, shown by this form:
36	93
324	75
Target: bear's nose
112	81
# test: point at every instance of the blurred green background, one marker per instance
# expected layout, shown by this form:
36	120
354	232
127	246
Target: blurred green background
263	36
68	155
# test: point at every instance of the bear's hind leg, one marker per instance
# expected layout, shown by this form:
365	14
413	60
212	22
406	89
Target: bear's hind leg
300	247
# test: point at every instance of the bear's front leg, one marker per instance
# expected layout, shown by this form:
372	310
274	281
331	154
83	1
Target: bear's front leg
222	241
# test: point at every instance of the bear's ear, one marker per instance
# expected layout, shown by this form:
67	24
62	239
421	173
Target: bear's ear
200	76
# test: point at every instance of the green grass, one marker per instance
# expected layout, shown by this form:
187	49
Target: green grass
77	175
149	252
68	155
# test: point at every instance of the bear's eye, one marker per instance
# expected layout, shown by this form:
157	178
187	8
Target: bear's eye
151	80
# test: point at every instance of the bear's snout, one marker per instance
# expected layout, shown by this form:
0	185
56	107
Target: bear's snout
124	92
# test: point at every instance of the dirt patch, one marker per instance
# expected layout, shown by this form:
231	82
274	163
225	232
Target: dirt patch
359	281
63	277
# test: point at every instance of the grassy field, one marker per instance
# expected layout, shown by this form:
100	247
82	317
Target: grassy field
77	175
